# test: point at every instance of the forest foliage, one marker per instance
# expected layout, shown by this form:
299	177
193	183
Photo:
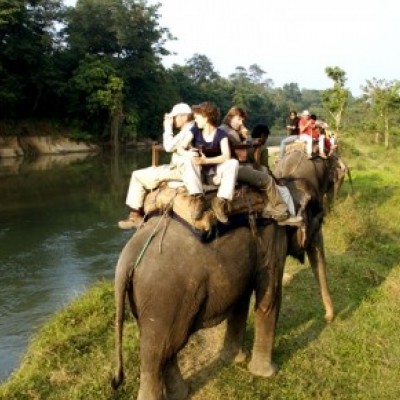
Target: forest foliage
97	68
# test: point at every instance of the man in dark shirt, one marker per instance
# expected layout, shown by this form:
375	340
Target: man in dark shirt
293	132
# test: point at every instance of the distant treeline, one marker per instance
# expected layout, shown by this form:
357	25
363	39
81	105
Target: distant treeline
97	69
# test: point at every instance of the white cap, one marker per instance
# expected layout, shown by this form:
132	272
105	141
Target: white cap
305	112
181	108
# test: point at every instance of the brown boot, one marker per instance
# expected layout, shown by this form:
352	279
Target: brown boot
294	220
218	205
134	220
197	206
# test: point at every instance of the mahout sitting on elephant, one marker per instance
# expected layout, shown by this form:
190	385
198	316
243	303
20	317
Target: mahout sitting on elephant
177	285
309	180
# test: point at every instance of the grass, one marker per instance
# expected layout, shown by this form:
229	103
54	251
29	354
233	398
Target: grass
355	357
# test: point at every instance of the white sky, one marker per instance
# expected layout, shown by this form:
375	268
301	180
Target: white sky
293	41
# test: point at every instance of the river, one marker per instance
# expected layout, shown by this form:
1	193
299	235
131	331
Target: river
58	235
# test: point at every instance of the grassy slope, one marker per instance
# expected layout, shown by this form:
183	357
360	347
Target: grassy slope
356	357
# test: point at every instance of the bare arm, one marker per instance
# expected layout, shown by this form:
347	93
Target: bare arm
225	155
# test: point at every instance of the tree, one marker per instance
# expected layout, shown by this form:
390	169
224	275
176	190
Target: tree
27	44
335	99
256	76
252	96
124	35
384	98
201	69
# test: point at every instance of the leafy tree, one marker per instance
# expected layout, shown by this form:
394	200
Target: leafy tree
201	69
335	99
27	45
124	35
285	99
292	94
384	98
254	97
256	76
87	92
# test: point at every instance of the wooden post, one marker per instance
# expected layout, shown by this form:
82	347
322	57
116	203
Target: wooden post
155	154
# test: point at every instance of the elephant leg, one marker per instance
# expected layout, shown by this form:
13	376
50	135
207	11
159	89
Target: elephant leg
151	386
268	301
177	388
317	260
152	364
261	361
235	331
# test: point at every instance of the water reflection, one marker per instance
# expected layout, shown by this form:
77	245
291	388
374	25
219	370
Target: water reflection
58	235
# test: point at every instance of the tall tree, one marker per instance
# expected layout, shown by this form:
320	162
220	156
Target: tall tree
335	99
253	96
384	98
201	69
125	34
27	45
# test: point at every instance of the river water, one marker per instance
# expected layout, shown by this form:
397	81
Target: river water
58	235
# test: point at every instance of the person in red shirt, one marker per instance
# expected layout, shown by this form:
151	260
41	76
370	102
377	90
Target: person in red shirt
306	129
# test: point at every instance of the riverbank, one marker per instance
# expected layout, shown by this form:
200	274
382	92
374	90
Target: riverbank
19	146
72	356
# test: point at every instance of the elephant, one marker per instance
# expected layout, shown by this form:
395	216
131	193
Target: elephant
177	285
309	181
341	169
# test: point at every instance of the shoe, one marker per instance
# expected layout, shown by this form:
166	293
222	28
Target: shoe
197	207
294	220
134	220
218	207
273	215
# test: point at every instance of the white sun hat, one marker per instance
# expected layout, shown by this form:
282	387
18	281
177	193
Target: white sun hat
180	108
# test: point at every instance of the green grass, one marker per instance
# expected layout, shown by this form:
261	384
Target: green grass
355	357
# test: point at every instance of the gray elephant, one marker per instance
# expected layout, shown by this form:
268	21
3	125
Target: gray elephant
340	170
309	181
177	285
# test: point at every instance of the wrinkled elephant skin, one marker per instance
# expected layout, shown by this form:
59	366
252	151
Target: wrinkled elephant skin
181	285
309	181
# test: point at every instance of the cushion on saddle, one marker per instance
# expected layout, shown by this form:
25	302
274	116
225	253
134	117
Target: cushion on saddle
297	145
246	200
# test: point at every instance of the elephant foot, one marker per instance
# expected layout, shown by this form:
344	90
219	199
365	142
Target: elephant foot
286	279
233	356
329	316
262	369
177	390
180	393
176	387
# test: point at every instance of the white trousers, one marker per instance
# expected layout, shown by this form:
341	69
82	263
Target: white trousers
225	177
287	198
309	143
149	179
188	173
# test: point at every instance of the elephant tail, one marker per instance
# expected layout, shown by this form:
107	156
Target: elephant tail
122	280
350	179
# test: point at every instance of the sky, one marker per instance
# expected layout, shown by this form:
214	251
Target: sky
292	41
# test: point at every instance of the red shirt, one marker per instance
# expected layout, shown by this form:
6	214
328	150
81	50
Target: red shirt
306	130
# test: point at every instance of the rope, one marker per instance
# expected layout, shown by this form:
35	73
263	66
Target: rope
147	243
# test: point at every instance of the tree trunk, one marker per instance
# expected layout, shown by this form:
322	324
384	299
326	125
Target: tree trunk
386	131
